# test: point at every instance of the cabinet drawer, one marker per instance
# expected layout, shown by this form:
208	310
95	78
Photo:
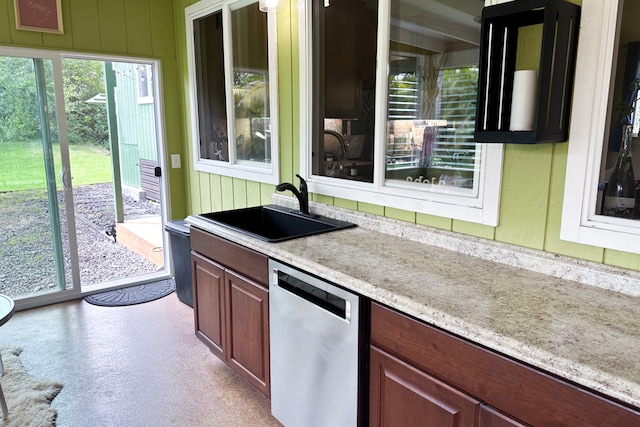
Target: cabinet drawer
521	391
252	264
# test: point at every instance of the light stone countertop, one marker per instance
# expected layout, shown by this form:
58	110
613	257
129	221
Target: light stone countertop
578	320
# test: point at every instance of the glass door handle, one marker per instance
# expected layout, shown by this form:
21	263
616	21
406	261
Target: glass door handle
65	178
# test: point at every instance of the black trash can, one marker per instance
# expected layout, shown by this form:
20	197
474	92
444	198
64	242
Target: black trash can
180	243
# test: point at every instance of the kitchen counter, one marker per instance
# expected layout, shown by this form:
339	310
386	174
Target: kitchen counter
575	319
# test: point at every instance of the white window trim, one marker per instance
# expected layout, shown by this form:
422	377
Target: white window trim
590	115
244	170
483	209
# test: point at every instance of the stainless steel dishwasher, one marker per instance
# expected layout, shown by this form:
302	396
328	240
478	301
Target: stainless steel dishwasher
317	351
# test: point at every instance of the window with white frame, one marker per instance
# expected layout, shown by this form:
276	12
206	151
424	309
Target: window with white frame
401	134
608	61
231	47
144	77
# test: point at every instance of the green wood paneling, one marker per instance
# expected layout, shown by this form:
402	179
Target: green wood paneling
371	208
85	27
266	191
400	214
162	32
61	41
525	191
527	169
529	47
345	203
320	198
226	193
7	21
433	221
139	28
472	229
195	192
622	259
287	92
174	136
110	13
215	190
176	105
206	203
239	193
254	194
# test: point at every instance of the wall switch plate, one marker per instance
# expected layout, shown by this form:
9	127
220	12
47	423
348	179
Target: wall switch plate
175	161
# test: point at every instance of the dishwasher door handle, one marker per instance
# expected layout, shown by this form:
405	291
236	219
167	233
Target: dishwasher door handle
321	298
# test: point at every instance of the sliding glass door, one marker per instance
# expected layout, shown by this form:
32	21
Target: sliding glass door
81	205
34	224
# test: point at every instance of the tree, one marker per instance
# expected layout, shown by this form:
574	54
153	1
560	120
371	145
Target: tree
86	123
19	112
19	116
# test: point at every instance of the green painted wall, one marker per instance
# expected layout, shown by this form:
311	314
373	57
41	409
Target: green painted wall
141	28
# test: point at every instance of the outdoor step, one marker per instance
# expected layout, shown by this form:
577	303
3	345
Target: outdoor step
143	236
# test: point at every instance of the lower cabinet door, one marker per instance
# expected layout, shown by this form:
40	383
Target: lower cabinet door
208	303
491	417
248	330
401	395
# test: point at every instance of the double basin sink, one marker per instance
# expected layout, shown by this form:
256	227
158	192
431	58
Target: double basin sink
274	223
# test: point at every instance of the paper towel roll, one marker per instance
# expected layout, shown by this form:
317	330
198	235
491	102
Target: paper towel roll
523	100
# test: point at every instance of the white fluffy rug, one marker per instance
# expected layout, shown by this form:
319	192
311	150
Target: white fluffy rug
28	398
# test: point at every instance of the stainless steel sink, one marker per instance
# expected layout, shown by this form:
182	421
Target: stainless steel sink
273	223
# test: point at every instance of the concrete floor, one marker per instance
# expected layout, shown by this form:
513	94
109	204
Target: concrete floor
139	365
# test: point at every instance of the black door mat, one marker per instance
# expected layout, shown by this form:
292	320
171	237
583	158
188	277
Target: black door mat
137	294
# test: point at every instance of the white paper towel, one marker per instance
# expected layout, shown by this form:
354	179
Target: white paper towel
523	100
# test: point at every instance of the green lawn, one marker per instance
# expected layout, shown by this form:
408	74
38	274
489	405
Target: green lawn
22	165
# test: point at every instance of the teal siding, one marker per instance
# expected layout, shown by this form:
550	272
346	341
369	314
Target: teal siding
136	124
129	165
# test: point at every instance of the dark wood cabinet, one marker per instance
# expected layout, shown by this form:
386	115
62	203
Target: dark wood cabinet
247	321
208	303
511	393
401	395
231	305
491	417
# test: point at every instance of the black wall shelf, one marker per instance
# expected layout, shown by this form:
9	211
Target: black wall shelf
499	40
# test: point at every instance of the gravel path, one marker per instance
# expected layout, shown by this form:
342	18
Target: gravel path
26	250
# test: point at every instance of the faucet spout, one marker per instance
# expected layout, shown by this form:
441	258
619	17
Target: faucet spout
302	195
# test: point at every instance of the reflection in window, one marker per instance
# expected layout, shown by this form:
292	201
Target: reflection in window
431	99
344	88
210	85
384	129
251	85
628	69
248	124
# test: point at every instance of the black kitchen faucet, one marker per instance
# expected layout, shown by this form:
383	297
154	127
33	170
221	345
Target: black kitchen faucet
302	195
